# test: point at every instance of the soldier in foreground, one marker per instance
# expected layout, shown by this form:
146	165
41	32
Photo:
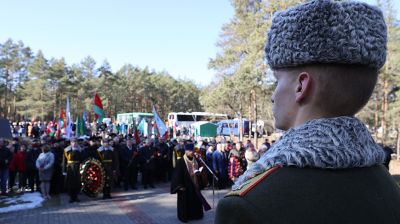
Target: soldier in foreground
326	168
107	158
73	157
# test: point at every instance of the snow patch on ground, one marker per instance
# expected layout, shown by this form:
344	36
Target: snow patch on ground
21	202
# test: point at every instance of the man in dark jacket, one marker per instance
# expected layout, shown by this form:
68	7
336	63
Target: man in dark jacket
186	183
91	150
326	168
147	165
164	160
73	157
108	158
220	165
57	183
32	172
5	158
128	162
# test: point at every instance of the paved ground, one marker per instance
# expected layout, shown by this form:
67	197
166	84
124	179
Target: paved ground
140	206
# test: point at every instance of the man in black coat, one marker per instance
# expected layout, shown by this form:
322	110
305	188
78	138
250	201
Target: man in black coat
164	160
186	183
32	154
326	168
5	158
73	157
91	150
57	182
128	160
148	165
108	158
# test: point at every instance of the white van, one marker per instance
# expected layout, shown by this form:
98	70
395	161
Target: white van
231	127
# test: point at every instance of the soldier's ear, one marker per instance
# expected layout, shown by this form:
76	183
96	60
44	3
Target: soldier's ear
303	87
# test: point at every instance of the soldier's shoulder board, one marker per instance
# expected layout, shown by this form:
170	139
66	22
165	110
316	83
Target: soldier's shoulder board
252	183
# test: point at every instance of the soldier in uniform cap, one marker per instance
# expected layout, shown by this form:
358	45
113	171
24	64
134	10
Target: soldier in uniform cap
326	168
73	157
107	158
178	152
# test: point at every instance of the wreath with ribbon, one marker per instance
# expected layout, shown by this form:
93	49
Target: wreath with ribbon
92	177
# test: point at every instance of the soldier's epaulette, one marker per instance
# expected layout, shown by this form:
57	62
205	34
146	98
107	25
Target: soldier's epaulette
253	182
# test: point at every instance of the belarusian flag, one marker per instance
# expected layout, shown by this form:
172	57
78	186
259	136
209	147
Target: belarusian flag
98	108
62	120
61	123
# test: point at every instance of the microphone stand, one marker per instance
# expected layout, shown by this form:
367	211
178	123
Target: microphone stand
214	176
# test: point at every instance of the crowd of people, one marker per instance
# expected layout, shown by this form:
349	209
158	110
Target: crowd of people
51	165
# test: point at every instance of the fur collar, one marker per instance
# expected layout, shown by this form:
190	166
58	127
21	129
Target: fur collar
328	143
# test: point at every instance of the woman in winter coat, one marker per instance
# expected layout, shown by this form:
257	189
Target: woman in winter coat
18	165
45	163
235	168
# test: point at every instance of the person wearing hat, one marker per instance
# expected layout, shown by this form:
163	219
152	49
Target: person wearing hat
171	155
73	156
129	163
186	183
107	158
91	150
326	168
178	151
33	153
147	163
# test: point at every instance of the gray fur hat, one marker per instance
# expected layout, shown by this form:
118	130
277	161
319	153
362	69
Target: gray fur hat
327	31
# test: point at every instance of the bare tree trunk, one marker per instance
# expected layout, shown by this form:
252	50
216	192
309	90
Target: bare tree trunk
384	109
108	106
41	109
240	120
398	140
5	96
15	109
250	122
255	120
55	105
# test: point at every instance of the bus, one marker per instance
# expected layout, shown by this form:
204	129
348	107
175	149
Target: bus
185	119
132	118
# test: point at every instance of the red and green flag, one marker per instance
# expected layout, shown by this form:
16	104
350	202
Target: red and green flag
98	108
62	120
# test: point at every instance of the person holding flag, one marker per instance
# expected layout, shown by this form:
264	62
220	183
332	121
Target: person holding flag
68	128
162	128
